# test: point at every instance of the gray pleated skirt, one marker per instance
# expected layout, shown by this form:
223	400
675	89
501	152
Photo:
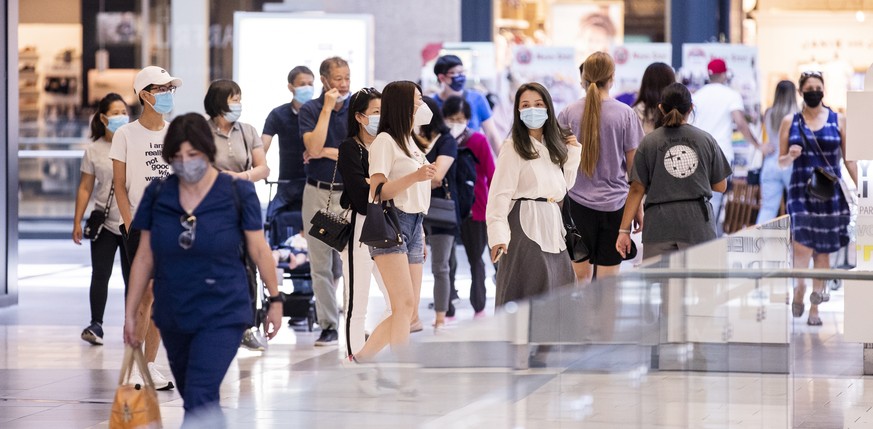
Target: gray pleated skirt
526	271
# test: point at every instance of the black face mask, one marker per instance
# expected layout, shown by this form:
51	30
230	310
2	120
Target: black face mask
813	98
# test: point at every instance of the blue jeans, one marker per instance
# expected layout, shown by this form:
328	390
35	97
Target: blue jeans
199	361
413	243
774	181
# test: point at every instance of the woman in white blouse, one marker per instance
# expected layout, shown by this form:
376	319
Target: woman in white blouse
398	165
533	173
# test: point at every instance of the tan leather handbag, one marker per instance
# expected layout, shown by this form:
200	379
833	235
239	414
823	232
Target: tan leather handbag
135	406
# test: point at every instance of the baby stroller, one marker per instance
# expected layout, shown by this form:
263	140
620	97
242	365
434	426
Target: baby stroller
282	228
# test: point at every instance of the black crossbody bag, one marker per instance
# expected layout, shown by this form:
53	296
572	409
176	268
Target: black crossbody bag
821	185
97	220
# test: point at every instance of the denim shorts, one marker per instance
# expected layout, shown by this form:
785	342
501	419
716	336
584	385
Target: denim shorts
412	246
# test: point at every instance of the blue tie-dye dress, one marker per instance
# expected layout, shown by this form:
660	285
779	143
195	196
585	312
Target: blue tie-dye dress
819	225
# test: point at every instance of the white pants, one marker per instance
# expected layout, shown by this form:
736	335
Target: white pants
359	283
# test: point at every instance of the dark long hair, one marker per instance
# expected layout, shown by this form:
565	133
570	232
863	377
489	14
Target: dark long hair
437	125
552	135
191	128
358	104
676	102
98	130
397	111
656	77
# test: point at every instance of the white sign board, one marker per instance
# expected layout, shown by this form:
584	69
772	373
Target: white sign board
742	67
631	61
264	52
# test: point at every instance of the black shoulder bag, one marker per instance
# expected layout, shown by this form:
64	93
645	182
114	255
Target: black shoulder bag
382	227
442	213
822	185
576	248
331	228
97	220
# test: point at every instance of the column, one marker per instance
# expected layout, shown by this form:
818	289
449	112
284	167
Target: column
694	21
9	140
189	53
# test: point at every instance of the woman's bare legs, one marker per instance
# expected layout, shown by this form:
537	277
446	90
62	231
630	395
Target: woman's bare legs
400	283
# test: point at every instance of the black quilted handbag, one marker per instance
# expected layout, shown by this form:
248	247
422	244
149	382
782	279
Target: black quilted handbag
331	228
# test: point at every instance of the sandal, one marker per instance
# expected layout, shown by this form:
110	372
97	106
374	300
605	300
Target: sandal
814	321
815	298
797	309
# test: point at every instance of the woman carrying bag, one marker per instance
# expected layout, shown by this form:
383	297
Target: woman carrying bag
196	227
399	172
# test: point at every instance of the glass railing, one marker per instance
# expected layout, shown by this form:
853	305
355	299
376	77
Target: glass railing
699	338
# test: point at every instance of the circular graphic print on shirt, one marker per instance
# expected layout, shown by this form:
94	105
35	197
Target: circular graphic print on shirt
681	161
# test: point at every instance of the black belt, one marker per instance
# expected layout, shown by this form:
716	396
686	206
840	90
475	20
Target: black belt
699	200
539	200
324	185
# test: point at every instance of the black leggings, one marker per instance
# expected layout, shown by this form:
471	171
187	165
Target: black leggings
102	261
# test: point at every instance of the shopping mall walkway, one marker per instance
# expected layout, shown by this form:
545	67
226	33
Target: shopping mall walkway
49	378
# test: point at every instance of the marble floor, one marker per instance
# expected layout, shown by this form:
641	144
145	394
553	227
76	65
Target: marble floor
49	378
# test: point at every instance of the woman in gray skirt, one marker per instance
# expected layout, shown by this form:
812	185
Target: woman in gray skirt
534	171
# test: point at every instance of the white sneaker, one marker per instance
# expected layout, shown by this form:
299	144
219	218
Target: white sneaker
161	382
136	378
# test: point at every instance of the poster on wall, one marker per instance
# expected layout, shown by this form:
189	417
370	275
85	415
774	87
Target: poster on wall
631	61
117	28
553	67
587	26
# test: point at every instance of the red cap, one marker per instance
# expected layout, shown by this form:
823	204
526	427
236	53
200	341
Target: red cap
717	66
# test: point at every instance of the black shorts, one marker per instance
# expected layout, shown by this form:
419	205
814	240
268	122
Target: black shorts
599	232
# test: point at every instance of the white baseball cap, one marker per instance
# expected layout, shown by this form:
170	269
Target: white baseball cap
153	75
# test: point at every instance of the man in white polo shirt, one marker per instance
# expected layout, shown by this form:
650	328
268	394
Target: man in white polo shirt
136	161
717	108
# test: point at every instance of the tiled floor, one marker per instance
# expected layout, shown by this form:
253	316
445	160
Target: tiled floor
49	378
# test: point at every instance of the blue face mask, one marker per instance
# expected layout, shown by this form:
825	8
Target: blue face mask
534	117
302	94
115	122
458	82
163	102
235	112
373	127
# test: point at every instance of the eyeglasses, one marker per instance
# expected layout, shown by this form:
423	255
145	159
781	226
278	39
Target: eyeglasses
186	238
161	89
365	91
810	73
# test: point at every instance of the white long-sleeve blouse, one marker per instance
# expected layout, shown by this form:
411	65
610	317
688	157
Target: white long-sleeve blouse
514	178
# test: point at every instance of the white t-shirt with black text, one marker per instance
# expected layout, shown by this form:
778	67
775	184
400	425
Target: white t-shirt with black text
387	158
140	149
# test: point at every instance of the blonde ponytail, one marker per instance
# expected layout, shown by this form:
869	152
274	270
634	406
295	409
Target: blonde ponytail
597	70
591	130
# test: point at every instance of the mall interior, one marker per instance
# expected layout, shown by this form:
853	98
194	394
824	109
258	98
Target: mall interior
701	338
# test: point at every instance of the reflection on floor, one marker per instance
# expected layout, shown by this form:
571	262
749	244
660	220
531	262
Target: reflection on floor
50	378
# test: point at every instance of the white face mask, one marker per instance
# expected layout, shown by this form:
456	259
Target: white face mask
422	116
457	129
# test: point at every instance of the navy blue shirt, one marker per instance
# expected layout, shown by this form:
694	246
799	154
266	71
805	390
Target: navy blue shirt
282	121
205	285
322	169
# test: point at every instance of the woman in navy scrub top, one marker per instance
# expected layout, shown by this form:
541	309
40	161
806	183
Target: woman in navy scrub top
193	224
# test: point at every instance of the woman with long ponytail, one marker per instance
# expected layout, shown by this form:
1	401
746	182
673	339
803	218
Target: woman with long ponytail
677	167
610	132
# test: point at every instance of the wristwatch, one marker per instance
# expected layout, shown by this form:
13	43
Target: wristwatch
277	298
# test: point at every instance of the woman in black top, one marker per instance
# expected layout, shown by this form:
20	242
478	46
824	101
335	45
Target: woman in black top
353	165
442	152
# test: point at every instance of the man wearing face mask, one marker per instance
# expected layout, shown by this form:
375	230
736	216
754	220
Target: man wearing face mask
717	109
136	162
323	124
449	71
283	121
